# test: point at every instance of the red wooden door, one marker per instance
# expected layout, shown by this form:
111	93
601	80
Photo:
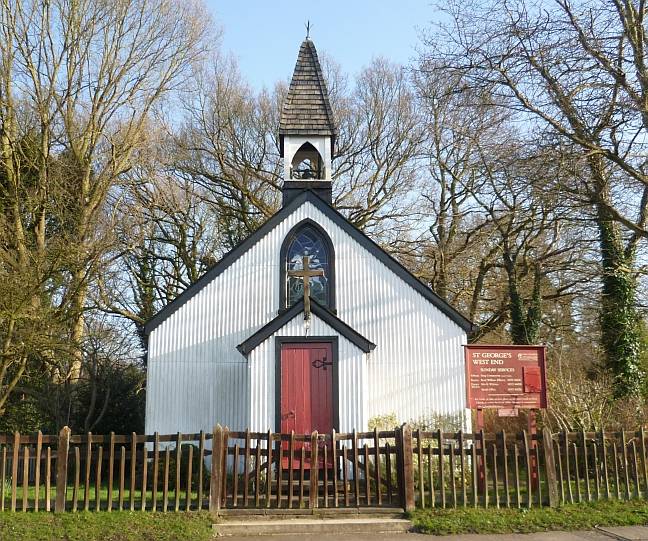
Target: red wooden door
306	388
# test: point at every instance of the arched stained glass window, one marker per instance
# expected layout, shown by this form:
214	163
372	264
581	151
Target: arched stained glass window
308	241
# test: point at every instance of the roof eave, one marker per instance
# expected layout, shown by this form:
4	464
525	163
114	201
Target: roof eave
227	260
395	266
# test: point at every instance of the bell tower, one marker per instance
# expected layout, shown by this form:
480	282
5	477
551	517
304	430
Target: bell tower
306	129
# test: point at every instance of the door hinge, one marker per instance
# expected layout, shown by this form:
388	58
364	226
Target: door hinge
321	363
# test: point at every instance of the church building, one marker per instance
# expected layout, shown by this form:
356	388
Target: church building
307	324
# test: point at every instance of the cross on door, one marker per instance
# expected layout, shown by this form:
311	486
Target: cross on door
306	273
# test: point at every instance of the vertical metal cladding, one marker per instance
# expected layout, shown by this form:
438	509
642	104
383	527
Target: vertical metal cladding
197	378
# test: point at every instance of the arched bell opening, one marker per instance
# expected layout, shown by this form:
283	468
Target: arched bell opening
307	164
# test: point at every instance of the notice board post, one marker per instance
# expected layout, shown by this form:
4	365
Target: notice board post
507	378
481	452
532	430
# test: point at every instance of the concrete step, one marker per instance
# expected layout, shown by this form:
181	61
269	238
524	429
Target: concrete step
315	526
242	514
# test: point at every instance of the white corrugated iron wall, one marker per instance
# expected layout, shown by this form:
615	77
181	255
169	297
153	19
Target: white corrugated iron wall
417	368
351	374
197	378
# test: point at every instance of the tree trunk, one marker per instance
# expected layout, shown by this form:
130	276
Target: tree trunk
78	325
620	322
526	315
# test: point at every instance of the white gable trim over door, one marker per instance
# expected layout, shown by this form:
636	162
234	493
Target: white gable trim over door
351	375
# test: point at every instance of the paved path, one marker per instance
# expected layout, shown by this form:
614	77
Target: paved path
628	533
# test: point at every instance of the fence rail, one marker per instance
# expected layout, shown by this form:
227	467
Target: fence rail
396	468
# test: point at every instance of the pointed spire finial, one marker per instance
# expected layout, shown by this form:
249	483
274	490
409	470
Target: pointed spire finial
308	27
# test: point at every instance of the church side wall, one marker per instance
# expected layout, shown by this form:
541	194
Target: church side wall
192	382
197	378
351	377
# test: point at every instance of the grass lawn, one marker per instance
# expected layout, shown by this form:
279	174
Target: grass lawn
116	526
196	526
583	516
103	496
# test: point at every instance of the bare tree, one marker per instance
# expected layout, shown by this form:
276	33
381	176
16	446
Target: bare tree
228	147
376	166
169	234
566	71
498	247
540	259
458	130
86	75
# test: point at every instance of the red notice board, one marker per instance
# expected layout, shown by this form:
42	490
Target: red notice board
505	377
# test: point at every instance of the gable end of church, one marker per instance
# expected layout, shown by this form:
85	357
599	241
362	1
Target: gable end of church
360	237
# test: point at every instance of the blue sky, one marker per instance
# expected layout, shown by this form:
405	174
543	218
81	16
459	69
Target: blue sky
265	35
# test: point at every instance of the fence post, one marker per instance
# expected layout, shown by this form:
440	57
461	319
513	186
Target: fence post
404	456
216	483
14	470
550	467
314	473
62	451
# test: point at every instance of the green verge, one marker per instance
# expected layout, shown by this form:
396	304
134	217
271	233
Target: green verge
115	526
583	516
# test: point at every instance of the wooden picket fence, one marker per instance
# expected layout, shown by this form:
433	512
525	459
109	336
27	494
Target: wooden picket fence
459	469
402	468
95	472
501	470
293	471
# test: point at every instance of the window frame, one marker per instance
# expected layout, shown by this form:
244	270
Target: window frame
283	263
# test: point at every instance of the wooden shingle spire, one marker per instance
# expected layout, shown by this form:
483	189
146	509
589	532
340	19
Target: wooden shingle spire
306	109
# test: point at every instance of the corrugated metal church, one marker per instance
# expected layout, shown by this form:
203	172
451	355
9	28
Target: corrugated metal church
307	324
